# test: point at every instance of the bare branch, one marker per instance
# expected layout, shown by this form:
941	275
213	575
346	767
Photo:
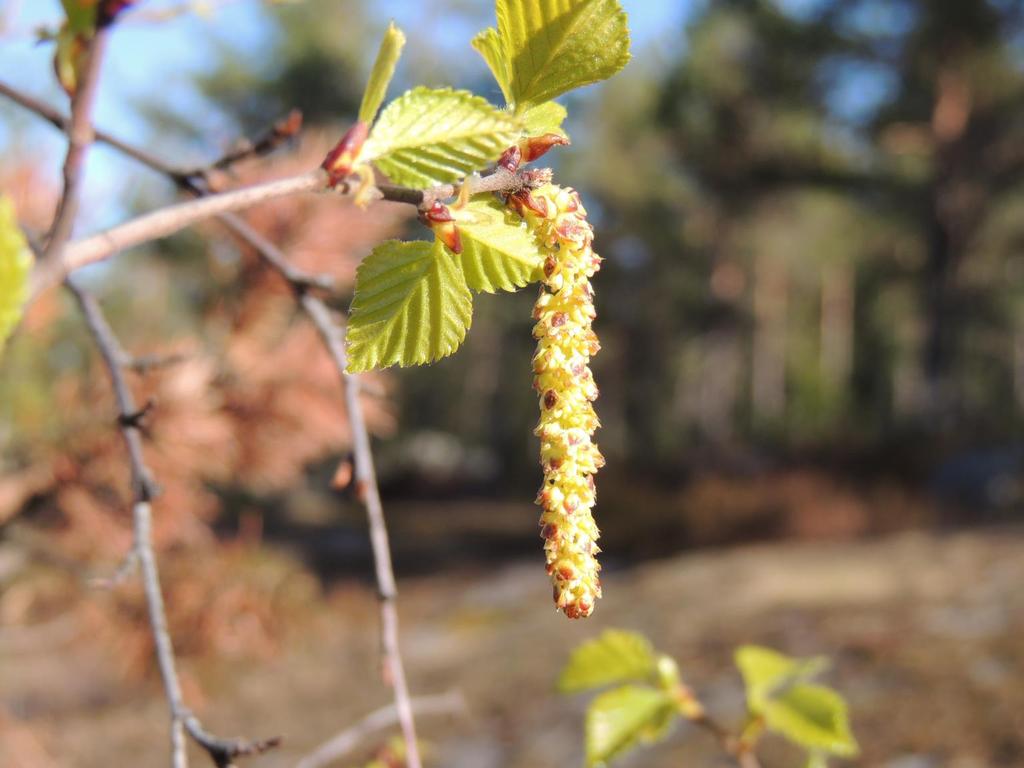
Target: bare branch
330	333
450	703
221	751
167	221
79	133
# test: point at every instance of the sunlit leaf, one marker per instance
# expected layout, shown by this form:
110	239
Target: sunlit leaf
812	716
488	44
427	136
553	46
616	656
766	672
499	253
15	266
625	717
545	118
382	72
411	306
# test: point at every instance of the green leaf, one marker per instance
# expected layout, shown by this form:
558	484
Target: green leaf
411	306
81	15
553	46
427	136
382	72
15	266
620	719
499	253
766	672
616	656
545	118
812	716
488	45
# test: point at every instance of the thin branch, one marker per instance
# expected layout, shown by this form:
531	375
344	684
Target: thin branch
167	221
221	751
320	315
339	746
733	745
79	133
369	493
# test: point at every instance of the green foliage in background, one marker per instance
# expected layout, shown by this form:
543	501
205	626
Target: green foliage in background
15	266
650	697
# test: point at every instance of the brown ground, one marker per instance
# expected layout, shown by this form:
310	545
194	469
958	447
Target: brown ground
926	631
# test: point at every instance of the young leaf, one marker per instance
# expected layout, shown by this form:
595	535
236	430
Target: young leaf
499	253
616	656
427	136
545	118
622	718
15	265
489	45
553	46
812	716
411	306
81	15
382	72
766	671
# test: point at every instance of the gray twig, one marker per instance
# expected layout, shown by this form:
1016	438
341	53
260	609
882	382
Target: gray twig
221	751
320	315
340	745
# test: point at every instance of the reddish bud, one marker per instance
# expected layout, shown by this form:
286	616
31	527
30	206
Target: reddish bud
342	158
510	159
440	219
550	399
536	146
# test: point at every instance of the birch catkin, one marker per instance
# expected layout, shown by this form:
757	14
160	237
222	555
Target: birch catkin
566	390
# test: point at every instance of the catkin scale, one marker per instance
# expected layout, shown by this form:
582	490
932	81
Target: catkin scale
566	390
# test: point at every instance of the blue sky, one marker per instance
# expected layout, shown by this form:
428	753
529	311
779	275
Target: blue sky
145	56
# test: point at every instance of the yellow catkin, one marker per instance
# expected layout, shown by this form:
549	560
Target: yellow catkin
566	389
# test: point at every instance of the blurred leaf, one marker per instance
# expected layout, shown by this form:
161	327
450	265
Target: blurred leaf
383	71
616	656
427	137
15	266
766	671
620	719
545	118
553	46
488	44
816	759
81	15
499	253
411	306
812	716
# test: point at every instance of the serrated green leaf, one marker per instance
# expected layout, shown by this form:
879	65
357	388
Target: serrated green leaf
545	118
553	46
499	253
622	718
766	672
616	656
427	136
812	716
411	306
382	72
15	267
488	44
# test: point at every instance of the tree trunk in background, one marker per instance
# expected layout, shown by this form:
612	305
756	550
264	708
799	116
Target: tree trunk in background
768	364
837	300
